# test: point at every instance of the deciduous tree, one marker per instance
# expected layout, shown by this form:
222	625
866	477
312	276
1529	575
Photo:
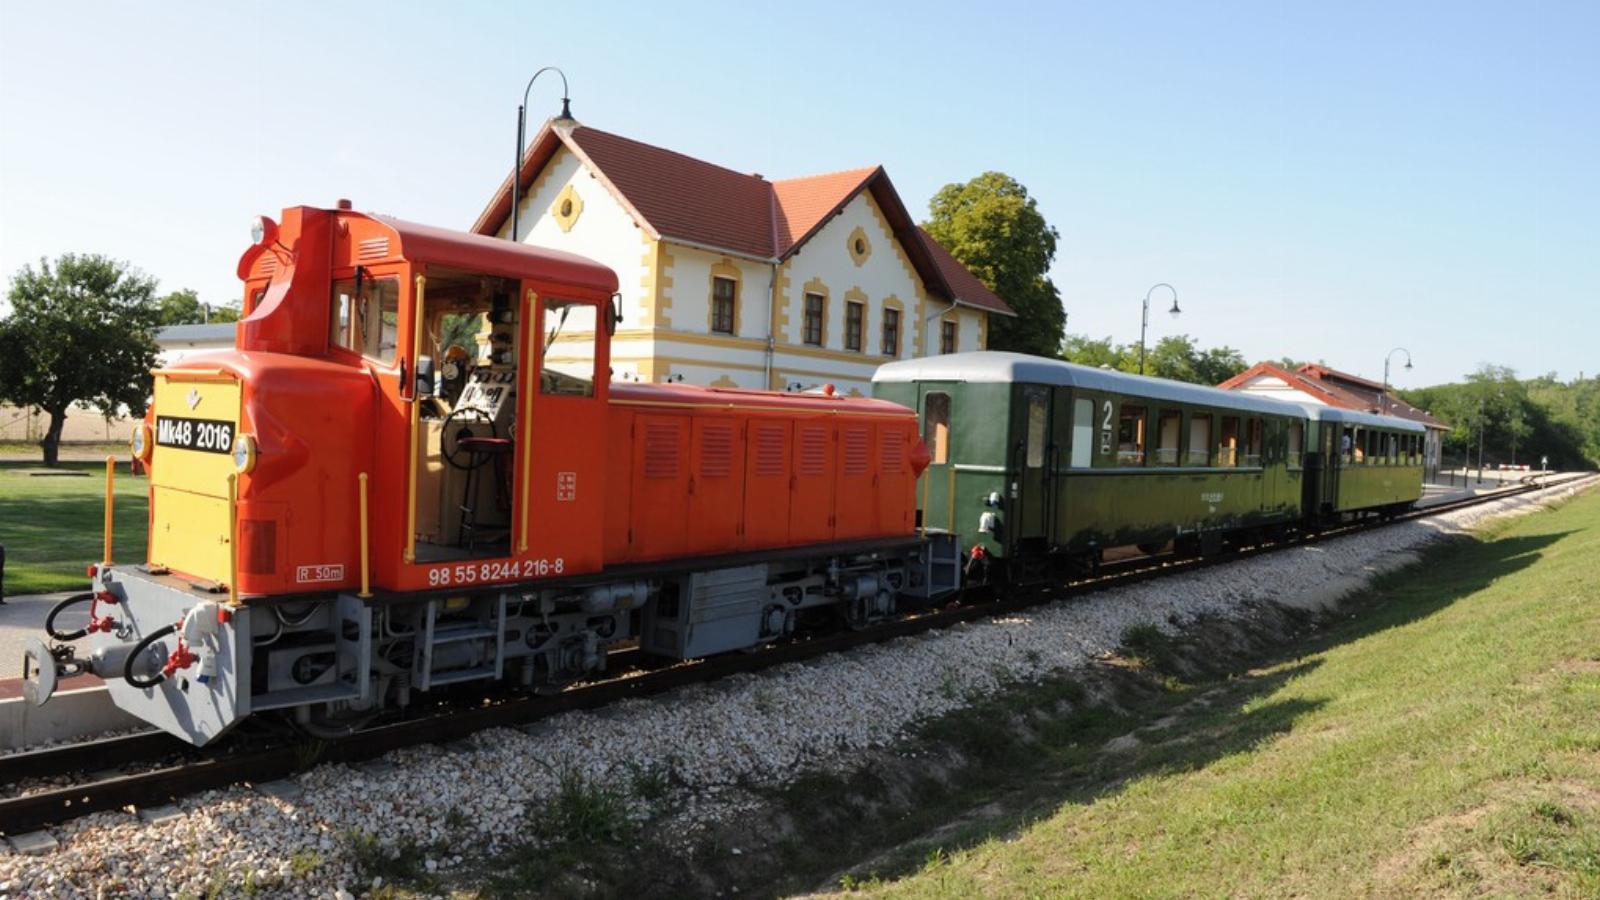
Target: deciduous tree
996	230
78	332
184	307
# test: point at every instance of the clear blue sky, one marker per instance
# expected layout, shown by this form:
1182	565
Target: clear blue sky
1319	180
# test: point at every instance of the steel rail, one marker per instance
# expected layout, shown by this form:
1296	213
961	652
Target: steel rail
258	766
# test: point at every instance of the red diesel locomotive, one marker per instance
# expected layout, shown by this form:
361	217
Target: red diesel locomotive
413	470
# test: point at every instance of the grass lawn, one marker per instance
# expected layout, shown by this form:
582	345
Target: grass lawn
52	525
1444	741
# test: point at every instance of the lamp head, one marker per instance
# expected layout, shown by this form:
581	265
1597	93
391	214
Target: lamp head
1408	364
1174	310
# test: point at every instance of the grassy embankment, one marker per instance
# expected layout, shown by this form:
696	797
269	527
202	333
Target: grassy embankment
52	524
1444	740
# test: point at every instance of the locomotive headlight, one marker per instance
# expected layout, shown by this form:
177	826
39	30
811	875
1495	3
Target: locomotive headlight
139	441
244	453
263	230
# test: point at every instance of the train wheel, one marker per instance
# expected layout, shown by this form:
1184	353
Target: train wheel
1151	548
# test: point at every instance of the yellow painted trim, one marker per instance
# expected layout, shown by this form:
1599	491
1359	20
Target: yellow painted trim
111	502
366	553
569	194
666	362
779	316
856	295
724	269
534	188
233	538
194	374
416	420
721	340
530	346
814	286
858	237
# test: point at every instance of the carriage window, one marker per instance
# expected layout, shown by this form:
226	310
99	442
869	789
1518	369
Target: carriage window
1370	443
1297	436
1252	442
1228	446
1200	441
936	426
1168	434
1130	436
1347	443
1038	424
368	324
567	361
1082	434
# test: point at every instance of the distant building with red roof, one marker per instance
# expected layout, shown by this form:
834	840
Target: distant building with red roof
1314	383
734	280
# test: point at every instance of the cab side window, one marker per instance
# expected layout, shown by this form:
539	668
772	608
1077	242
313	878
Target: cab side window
367	320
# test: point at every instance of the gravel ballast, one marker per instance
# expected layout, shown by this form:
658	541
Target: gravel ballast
478	796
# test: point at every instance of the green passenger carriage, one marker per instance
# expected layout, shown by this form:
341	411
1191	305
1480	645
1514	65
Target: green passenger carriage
1044	465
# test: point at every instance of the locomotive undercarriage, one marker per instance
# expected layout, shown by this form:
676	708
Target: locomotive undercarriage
332	664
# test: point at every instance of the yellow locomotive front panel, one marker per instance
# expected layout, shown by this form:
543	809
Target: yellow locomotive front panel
195	427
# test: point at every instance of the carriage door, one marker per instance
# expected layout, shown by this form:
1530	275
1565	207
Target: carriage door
939	479
1029	463
563	499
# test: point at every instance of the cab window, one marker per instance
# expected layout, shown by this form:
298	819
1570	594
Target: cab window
366	320
567	357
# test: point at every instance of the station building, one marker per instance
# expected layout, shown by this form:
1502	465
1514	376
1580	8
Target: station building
1313	383
733	280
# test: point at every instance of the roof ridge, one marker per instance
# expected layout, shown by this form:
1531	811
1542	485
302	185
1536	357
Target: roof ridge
611	134
862	169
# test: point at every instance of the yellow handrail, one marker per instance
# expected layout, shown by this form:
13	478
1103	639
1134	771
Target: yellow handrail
531	366
416	421
233	538
111	502
366	585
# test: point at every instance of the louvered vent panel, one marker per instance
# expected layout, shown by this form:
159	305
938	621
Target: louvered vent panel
373	248
890	456
813	451
856	453
769	450
661	451
266	265
716	451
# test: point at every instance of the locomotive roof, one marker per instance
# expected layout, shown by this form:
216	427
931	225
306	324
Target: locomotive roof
486	254
998	367
1357	417
744	398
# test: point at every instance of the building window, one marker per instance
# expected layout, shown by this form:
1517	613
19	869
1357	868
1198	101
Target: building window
724	294
814	311
947	337
891	332
854	314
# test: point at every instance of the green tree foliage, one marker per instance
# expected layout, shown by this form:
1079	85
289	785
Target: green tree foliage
996	230
1175	357
184	308
78	332
1520	420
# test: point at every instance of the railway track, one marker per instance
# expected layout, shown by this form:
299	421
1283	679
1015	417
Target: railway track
172	769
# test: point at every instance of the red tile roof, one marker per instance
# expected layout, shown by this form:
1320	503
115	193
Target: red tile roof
684	199
964	286
1339	389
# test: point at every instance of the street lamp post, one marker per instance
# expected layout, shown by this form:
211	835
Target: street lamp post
522	119
1386	358
1144	318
